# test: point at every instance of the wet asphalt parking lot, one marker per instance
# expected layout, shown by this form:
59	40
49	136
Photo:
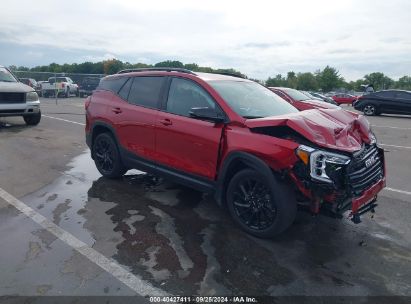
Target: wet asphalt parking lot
65	230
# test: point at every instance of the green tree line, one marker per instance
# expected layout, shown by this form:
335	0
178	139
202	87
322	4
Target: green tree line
324	80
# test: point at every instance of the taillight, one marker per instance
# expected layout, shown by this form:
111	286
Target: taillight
62	85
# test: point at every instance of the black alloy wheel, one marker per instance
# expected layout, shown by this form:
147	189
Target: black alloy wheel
260	204
107	157
253	203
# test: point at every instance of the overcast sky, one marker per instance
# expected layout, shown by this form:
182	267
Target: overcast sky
259	38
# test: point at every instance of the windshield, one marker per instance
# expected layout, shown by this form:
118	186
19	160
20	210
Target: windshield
296	95
251	100
6	76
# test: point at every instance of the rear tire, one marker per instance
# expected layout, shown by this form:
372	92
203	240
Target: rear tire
369	110
260	206
107	156
33	119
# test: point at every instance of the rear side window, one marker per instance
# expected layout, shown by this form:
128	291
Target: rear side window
184	95
403	95
146	91
112	84
386	94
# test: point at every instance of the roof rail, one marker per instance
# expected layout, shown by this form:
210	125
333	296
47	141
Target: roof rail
230	74
181	70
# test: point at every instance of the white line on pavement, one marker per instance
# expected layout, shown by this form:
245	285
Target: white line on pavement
389	127
138	285
397	190
394	146
74	122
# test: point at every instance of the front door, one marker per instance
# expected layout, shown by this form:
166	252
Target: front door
184	143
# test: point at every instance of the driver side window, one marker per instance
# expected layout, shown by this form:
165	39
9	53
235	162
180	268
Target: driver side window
184	95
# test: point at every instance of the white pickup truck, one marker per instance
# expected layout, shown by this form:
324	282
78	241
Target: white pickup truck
63	85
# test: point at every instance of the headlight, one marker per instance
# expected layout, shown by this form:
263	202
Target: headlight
32	96
318	161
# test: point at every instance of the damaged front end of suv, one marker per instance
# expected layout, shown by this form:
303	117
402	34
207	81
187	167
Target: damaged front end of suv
339	182
338	164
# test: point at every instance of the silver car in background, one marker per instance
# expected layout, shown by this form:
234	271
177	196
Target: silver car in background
18	99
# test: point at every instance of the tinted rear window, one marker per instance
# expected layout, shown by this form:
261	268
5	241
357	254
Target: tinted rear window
146	91
112	84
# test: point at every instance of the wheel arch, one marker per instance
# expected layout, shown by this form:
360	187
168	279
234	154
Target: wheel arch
235	162
100	127
372	102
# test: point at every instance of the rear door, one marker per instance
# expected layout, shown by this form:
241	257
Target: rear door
184	143
387	101
136	114
403	101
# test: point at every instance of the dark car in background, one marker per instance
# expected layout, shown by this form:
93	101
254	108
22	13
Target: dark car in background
299	100
32	83
387	101
88	85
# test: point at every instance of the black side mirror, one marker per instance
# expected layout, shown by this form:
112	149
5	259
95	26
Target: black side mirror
206	114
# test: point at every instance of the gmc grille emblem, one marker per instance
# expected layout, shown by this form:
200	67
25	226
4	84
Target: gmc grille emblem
371	161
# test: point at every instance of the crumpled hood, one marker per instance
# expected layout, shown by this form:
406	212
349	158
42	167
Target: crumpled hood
15	87
329	128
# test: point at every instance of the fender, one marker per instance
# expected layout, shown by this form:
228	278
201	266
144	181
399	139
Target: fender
96	124
232	160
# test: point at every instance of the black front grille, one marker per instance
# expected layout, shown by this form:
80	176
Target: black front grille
366	169
11	111
11	97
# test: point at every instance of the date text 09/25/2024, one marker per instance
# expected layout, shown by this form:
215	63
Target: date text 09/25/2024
199	299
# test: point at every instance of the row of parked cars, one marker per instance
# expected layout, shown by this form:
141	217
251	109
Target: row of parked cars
370	103
63	86
20	96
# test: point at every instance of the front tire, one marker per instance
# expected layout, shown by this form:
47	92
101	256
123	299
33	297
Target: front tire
107	156
33	119
261	206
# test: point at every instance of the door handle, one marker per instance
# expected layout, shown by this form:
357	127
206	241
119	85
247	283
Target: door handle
166	122
116	110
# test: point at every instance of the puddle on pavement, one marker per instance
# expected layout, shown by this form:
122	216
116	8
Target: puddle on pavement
179	240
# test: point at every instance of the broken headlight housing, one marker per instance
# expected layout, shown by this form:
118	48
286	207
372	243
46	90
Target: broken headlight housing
321	163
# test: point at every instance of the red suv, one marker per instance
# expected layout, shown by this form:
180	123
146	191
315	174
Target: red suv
232	137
